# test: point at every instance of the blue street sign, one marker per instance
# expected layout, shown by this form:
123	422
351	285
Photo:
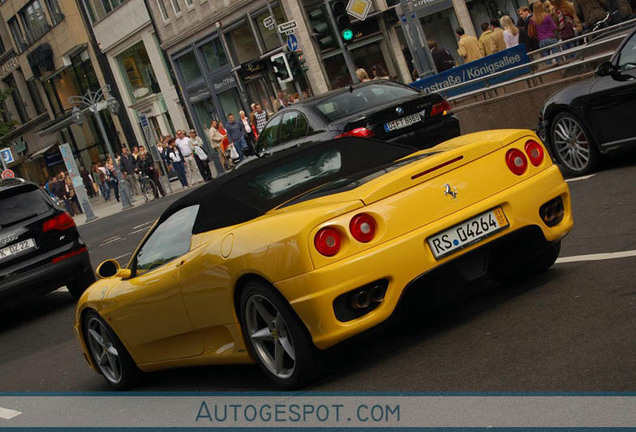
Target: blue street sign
7	156
143	119
292	42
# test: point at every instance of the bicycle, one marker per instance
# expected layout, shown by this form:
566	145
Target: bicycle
148	187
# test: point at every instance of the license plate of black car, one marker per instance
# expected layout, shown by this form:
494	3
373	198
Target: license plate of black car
402	122
17	248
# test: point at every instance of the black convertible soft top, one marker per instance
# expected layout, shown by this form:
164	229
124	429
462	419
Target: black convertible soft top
265	183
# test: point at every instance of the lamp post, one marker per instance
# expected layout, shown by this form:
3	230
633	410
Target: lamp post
92	100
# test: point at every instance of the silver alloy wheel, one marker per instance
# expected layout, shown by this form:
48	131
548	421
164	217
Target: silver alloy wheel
571	144
103	351
272	341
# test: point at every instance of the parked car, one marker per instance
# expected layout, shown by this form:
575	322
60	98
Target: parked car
40	248
381	109
296	252
594	116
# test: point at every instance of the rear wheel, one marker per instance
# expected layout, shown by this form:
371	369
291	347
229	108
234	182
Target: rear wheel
149	190
573	145
108	353
276	337
79	285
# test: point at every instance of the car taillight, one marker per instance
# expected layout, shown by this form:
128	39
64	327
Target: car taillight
534	152
327	241
361	132
441	108
362	228
60	222
516	161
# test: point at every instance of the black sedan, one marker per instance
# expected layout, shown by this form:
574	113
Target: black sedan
384	110
594	116
40	248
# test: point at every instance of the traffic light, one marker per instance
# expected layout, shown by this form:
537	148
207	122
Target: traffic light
342	20
282	72
297	63
321	29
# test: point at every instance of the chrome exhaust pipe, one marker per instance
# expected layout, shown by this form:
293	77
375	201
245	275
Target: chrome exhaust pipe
360	300
377	293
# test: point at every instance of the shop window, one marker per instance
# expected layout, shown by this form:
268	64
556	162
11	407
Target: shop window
189	67
230	103
270	37
53	98
2	48
337	71
373	58
214	55
140	77
34	21
18	37
244	44
83	73
36	99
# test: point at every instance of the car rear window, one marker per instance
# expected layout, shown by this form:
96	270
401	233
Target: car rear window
22	203
360	99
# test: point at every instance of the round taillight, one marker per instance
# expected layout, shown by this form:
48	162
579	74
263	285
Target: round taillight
534	152
362	228
516	161
327	241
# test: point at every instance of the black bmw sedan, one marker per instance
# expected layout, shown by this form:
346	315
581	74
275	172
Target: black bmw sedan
384	110
595	116
40	248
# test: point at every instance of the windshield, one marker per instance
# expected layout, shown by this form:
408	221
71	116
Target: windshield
18	205
362	98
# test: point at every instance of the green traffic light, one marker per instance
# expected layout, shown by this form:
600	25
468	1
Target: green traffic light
347	34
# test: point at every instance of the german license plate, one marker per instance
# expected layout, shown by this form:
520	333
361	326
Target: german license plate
402	122
17	248
467	233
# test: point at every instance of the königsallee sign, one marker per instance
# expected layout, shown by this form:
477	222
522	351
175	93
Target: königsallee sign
501	61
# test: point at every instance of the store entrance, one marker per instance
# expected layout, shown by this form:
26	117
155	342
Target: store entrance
230	103
441	27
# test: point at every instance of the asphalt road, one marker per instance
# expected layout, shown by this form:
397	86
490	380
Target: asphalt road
570	329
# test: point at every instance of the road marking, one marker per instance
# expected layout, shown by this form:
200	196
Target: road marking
111	240
140	230
597	257
8	414
121	256
579	178
143	224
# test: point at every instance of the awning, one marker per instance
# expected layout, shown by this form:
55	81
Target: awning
40	152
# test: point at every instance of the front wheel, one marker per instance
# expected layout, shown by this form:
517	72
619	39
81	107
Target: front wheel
149	190
573	146
276	338
108	353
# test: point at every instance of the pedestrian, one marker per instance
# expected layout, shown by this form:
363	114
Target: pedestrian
189	162
111	177
468	46
281	101
135	152
590	12
442	58
236	135
250	139
379	72
200	155
88	182
61	192
99	175
362	75
176	159
72	196
487	41
127	167
260	118
498	35
546	29
147	167
510	33
527	31
216	138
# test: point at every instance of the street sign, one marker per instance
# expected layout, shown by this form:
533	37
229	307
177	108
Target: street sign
269	22
359	8
292	42
288	28
7	174
7	156
71	166
143	119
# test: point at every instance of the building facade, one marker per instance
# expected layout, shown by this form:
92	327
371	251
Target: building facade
48	57
125	34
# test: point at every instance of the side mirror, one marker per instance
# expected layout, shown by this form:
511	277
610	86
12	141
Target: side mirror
605	69
110	268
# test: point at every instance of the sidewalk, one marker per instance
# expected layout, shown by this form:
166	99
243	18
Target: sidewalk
104	209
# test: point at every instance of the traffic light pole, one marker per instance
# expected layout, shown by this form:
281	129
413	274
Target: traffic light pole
345	53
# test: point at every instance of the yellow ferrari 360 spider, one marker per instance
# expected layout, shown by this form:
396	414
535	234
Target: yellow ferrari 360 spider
296	252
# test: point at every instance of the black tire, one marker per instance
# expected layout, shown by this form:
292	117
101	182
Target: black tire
519	269
573	145
79	285
149	190
128	373
294	373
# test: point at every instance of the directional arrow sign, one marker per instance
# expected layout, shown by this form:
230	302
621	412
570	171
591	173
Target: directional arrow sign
292	42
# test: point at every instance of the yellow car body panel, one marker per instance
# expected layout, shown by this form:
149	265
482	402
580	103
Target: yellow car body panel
184	313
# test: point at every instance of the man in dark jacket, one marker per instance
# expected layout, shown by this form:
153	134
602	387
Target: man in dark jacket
127	166
236	135
525	16
147	168
443	59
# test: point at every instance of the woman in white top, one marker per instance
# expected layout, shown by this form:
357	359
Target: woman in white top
511	32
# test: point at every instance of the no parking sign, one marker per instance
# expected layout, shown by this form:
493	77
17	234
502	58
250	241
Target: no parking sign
7	174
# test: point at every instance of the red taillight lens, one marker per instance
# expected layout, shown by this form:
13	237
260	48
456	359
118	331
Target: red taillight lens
69	255
327	241
60	222
516	161
363	228
534	150
361	132
441	108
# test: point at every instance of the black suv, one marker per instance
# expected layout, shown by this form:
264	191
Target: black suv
40	248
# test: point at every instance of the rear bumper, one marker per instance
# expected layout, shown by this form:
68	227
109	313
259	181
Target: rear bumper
404	259
431	134
45	277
